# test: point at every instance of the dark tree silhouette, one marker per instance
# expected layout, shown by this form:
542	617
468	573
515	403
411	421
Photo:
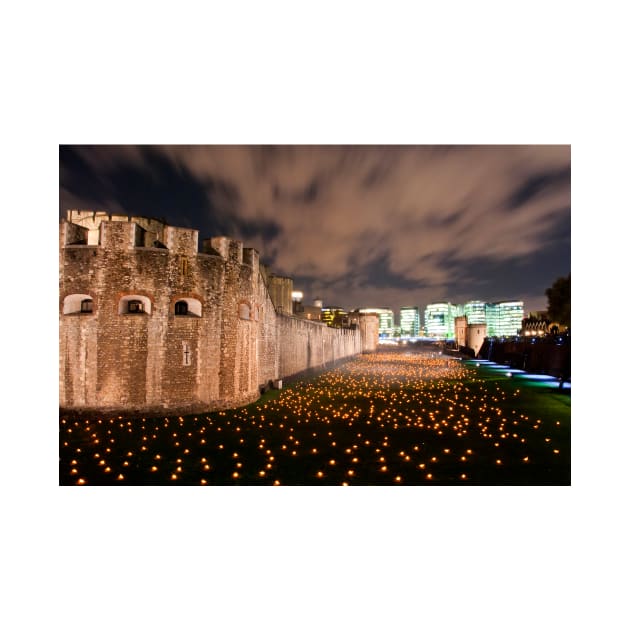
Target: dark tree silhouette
559	301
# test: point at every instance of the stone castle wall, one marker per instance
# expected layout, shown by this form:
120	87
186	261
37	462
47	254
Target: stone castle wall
229	343
307	344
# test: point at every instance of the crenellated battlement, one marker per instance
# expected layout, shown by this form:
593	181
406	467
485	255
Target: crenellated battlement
115	231
151	230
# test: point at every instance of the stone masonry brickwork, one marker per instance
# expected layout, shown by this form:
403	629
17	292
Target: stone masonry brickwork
148	323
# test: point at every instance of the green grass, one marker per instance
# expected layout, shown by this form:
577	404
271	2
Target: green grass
420	415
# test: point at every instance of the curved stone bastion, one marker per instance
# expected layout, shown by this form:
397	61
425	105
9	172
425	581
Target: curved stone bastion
150	324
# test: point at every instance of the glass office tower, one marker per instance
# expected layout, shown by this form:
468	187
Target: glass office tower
475	312
409	321
439	320
504	319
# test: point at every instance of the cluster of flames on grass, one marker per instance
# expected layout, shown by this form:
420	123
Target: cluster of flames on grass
386	418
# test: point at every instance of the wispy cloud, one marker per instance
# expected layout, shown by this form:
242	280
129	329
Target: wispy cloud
359	224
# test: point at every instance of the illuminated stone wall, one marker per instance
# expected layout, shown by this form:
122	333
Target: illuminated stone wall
368	325
475	335
461	324
229	343
280	289
306	344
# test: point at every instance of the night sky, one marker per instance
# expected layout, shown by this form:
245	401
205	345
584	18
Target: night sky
356	226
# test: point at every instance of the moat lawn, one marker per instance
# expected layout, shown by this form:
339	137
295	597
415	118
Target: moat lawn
391	418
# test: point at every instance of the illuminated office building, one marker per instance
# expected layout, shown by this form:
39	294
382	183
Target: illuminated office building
385	320
409	321
439	320
475	312
333	315
504	319
493	320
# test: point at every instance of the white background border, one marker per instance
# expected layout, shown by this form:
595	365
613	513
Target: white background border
343	72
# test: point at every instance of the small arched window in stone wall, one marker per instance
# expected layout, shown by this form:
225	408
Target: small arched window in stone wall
134	305
187	306
78	303
243	311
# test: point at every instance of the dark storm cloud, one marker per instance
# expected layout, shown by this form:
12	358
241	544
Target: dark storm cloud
378	274
444	219
304	196
512	278
150	186
536	185
153	185
356	224
379	172
309	194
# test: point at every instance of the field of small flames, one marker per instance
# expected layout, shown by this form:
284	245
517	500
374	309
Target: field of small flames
394	417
